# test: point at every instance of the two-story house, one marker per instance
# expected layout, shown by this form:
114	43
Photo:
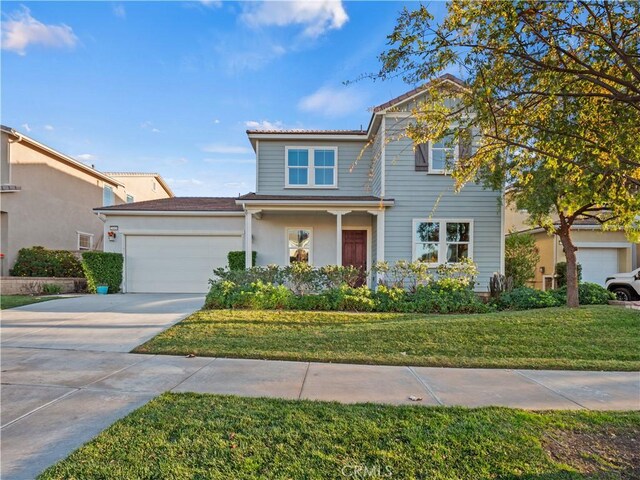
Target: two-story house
322	197
46	197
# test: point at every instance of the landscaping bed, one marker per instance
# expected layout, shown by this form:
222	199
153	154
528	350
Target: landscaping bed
589	338
221	437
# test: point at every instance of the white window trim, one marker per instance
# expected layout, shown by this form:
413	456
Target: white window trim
442	171
286	244
133	199
442	248
311	181
90	235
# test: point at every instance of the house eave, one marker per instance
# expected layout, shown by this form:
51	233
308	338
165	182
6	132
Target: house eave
167	213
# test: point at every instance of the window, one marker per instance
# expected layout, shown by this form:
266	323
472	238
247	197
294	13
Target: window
107	196
299	245
442	155
311	167
153	185
85	241
130	198
442	241
298	166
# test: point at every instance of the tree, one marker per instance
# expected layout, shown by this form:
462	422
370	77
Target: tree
551	96
520	258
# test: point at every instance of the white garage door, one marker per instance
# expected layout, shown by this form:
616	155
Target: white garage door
175	264
597	263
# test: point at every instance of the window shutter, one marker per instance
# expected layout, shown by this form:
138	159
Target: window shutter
422	157
465	143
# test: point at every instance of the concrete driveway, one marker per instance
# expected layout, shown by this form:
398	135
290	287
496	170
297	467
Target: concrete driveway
53	356
104	323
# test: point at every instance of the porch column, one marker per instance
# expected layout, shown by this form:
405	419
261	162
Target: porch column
338	238
248	247
379	214
338	214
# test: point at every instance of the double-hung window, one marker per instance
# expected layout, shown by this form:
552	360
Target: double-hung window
442	155
442	241
311	167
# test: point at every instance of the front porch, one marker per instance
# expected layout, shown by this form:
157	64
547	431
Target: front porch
319	232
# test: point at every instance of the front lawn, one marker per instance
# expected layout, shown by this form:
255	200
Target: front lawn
12	301
221	437
589	338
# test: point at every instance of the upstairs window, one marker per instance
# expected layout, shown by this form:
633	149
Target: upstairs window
442	241
130	198
442	155
298	167
311	167
107	196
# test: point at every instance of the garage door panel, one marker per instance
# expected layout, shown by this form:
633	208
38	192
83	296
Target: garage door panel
174	263
597	263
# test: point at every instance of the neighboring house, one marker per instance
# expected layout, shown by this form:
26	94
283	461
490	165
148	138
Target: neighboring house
47	198
142	186
600	253
322	197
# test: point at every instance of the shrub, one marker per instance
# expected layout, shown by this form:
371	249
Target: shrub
41	262
351	299
264	296
391	299
303	278
51	288
236	260
311	302
588	294
447	296
102	268
221	295
520	258
332	276
524	298
561	274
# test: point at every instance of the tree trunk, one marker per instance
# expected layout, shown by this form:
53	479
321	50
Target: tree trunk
564	232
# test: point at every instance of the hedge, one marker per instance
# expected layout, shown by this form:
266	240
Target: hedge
236	260
103	268
41	262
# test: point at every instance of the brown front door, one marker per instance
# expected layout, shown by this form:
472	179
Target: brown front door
354	250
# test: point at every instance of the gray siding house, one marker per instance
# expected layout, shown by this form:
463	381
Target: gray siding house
322	197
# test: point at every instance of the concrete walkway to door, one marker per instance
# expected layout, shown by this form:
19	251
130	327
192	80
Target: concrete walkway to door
66	376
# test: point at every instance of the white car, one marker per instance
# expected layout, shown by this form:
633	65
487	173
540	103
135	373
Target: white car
626	286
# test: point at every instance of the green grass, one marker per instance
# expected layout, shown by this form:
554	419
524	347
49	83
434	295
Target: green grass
179	436
12	301
590	338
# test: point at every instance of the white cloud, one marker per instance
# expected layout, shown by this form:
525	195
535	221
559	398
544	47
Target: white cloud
316	16
20	30
216	121
184	182
211	3
176	161
119	11
49	128
86	157
26	127
225	149
264	125
332	102
149	126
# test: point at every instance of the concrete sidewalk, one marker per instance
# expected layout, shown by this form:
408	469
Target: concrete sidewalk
54	401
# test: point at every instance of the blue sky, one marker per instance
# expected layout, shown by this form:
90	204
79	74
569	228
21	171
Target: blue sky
172	86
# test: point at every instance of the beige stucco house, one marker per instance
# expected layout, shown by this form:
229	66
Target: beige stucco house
601	253
140	186
47	197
